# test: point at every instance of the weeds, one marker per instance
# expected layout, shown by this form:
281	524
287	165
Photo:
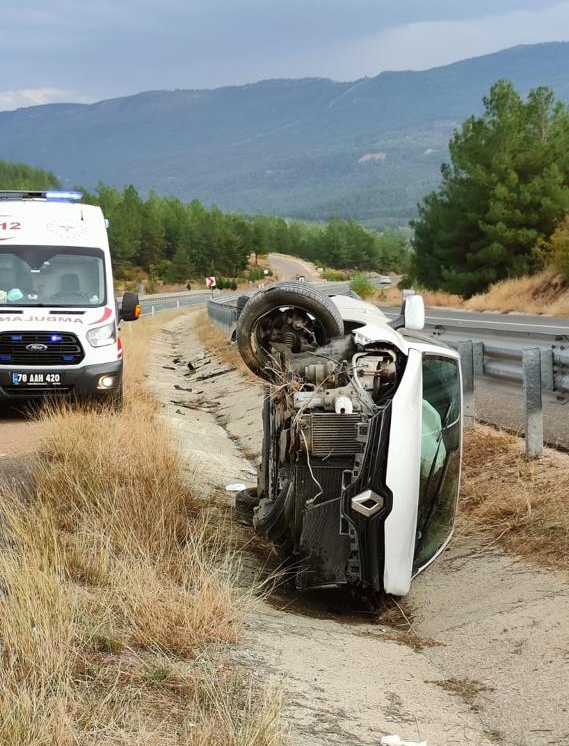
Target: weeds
118	594
523	503
214	340
545	293
467	689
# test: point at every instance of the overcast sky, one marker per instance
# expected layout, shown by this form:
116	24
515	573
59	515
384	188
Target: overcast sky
88	50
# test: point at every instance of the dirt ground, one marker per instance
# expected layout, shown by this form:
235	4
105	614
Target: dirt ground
479	650
19	432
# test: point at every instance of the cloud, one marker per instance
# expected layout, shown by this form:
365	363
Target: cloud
104	48
420	46
35	97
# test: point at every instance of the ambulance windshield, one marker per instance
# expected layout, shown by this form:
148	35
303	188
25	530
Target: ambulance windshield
52	276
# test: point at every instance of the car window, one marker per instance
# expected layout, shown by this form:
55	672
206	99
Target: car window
440	456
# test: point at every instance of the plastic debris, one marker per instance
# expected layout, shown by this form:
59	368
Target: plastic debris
396	741
235	487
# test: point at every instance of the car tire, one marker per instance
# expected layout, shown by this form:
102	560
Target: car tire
296	294
245	503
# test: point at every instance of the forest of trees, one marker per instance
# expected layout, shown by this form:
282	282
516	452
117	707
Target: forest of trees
504	195
177	242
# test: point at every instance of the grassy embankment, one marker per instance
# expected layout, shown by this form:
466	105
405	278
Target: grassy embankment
118	599
545	293
521	503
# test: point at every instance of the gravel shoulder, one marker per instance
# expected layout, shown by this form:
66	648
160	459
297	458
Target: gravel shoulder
487	635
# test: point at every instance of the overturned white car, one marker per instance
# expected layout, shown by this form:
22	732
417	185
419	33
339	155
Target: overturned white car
362	436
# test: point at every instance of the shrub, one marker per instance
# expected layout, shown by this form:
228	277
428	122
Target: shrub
361	285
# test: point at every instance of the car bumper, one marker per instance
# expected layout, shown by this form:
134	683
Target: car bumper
82	383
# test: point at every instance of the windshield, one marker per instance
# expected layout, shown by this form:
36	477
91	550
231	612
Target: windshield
52	276
440	456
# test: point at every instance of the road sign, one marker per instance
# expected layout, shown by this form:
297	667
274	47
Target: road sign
210	282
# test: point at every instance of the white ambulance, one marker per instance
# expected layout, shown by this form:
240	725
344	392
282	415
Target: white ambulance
58	314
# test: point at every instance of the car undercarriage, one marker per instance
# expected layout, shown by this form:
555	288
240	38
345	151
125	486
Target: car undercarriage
359	471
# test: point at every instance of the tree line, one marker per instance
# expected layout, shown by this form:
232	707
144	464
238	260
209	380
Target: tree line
177	241
501	208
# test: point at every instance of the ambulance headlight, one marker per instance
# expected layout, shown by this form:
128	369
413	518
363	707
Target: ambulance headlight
102	335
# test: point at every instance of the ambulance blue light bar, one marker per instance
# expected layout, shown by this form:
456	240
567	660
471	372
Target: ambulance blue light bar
63	196
52	195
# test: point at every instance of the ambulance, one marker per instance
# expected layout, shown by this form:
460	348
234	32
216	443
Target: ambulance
59	319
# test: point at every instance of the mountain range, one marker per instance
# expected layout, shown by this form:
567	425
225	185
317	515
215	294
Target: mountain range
307	148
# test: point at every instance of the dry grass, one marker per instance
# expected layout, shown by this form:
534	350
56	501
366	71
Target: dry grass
467	689
522	503
545	293
117	596
215	340
391	296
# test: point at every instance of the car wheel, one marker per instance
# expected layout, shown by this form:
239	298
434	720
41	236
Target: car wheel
266	312
245	503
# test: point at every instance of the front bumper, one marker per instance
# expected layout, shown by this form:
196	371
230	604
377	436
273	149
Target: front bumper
76	382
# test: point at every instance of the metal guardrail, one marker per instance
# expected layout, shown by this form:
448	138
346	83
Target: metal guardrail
497	352
502	354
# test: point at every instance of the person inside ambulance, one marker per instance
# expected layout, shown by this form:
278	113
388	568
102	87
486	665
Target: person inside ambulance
23	287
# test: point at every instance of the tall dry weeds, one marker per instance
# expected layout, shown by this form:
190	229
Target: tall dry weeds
544	293
523	503
113	585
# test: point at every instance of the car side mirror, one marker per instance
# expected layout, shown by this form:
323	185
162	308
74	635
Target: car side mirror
412	314
130	307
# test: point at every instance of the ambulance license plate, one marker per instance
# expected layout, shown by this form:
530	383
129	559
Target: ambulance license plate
36	378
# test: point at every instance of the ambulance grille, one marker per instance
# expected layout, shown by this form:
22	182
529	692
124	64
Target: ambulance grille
45	349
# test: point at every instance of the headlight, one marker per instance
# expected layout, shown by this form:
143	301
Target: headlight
102	335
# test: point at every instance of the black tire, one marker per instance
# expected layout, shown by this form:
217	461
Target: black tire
245	503
295	294
241	303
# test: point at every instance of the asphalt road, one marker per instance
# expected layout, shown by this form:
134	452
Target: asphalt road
288	268
524	325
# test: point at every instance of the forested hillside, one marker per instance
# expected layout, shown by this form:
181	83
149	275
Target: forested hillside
22	176
307	149
178	242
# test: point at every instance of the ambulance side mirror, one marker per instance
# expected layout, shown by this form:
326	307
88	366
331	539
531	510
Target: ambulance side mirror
130	307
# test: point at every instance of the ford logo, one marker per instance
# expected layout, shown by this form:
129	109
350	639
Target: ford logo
36	347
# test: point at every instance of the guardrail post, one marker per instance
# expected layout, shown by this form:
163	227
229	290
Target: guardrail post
547	378
177	304
533	411
478	355
465	350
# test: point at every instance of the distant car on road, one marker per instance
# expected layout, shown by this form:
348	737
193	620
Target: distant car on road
384	280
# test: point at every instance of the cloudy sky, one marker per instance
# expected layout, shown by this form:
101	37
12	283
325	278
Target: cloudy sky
88	50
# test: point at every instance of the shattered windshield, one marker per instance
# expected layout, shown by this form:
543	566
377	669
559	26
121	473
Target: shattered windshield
440	456
52	275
